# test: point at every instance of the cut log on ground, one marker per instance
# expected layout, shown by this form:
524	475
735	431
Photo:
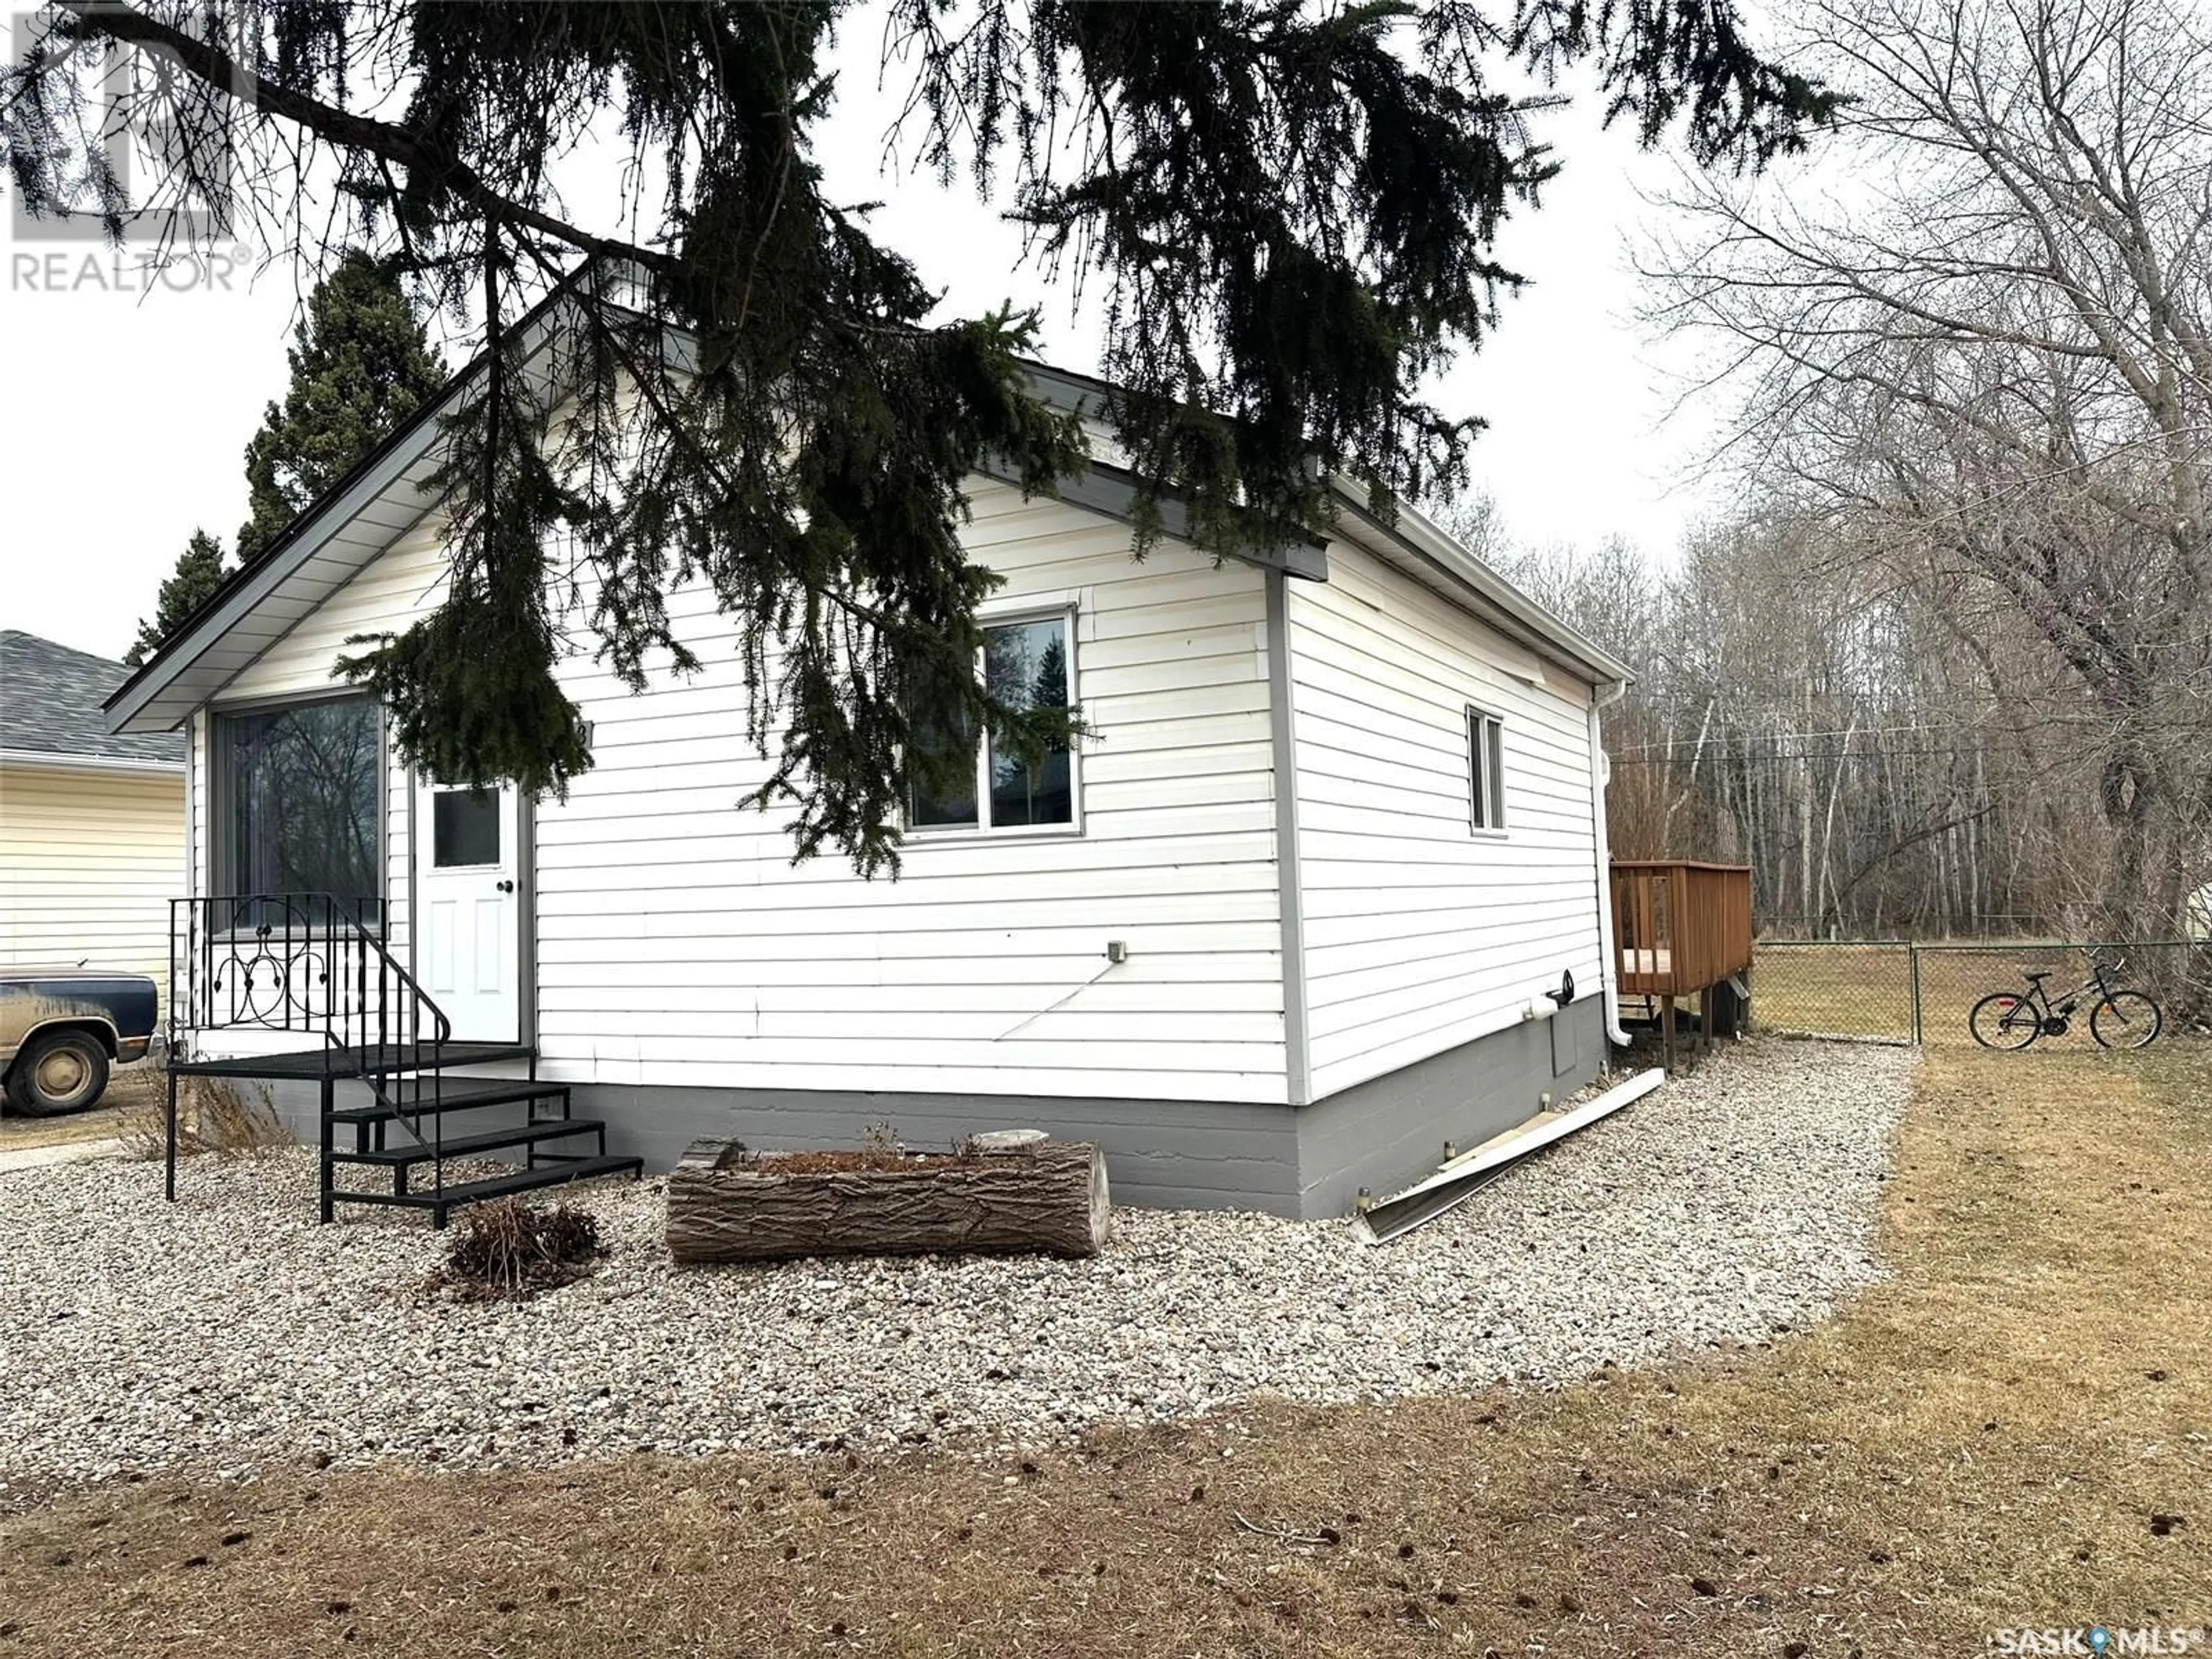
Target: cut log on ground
725	1205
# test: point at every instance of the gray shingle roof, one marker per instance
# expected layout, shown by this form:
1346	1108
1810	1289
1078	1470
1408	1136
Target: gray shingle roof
50	698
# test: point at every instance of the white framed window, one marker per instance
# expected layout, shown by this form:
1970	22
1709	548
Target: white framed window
296	803
1029	661
1485	769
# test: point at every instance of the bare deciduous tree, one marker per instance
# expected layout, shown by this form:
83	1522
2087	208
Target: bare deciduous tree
1986	371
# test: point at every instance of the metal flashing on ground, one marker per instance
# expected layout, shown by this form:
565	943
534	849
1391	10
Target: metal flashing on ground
1460	1179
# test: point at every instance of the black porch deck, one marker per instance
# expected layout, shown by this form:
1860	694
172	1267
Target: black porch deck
375	1060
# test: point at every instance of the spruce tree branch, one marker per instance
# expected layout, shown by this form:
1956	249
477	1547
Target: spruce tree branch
646	379
386	140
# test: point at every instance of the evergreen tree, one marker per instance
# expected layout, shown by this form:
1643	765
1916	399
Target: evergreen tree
199	574
1289	209
362	363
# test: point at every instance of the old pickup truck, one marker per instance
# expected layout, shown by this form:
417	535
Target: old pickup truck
60	1030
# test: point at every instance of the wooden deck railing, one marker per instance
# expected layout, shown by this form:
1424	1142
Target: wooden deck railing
1679	927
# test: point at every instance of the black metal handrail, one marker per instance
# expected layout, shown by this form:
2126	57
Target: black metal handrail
313	963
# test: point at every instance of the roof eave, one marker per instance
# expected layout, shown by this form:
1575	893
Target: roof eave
401	448
1540	630
1418	535
62	761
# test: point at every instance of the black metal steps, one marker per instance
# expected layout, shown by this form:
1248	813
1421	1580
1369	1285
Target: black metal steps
394	1058
404	1092
428	1097
552	1173
309	979
492	1140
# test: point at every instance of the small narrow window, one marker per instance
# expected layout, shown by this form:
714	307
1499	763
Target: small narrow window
1485	770
951	806
1026	666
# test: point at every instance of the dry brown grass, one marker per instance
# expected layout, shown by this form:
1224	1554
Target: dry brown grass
213	1115
1863	990
130	1089
1835	990
509	1251
1981	1442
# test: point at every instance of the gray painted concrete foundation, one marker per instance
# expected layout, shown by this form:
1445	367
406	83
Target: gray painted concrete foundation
1388	1132
1308	1161
1160	1154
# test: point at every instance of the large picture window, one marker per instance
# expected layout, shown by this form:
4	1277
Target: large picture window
1029	665
300	802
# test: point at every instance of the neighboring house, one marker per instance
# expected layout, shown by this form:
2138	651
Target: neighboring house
1287	923
91	823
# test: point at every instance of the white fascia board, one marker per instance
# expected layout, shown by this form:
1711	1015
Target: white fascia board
116	763
1428	542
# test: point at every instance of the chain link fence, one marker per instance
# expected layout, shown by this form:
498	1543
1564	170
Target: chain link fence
1856	989
1899	991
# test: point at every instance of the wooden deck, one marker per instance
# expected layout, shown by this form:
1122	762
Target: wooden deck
1679	927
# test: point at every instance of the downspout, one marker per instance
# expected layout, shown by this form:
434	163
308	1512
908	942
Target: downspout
1298	1059
195	779
1600	777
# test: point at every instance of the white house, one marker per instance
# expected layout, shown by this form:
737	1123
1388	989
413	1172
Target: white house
92	841
1292	919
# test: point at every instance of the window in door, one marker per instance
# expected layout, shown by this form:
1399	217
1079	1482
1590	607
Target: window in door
465	827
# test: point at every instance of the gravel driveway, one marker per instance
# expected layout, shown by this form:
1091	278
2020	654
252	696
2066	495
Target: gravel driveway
229	1331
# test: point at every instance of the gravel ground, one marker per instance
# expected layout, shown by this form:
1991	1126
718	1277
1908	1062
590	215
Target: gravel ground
229	1332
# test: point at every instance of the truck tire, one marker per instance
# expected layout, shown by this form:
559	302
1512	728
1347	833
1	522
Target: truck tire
57	1072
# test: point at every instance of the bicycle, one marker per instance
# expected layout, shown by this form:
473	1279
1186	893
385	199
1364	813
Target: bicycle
2118	1018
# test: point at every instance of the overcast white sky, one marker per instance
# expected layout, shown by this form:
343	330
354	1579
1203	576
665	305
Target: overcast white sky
124	414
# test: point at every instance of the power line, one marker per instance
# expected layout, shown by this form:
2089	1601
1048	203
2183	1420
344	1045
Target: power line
1740	734
1712	759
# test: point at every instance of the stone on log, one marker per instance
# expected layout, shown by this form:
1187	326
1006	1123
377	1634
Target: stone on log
725	1205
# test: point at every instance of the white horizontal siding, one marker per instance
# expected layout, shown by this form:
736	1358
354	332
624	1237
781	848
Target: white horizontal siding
387	594
88	862
676	942
1420	933
406	580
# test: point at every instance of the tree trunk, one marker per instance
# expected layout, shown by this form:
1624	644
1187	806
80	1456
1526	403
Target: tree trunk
1050	1199
2128	794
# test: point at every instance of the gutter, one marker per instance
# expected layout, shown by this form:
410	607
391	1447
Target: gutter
1469	1173
1549	636
1542	632
1600	779
1410	532
120	765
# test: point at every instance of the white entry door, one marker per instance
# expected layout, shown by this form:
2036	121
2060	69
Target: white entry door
468	948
